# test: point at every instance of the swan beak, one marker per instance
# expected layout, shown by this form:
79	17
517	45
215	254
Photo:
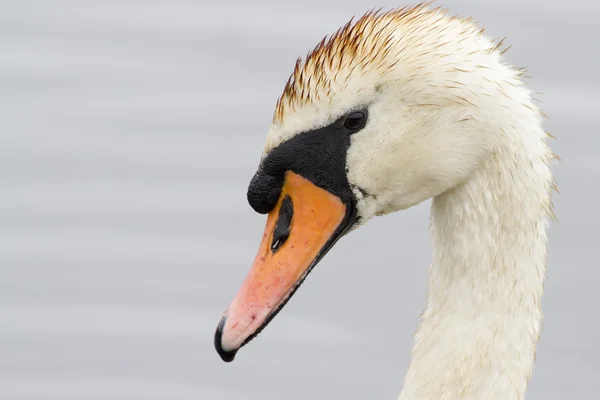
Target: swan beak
302	227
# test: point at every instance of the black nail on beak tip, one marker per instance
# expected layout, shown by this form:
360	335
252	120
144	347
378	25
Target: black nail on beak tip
226	356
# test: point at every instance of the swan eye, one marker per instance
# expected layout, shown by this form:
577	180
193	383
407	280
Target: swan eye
355	121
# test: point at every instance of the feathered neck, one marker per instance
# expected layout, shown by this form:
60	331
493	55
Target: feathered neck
483	318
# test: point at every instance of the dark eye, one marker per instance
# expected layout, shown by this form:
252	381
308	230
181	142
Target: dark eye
355	121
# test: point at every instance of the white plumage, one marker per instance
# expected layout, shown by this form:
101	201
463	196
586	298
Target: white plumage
448	119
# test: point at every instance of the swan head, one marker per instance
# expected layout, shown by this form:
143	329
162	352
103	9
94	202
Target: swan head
389	111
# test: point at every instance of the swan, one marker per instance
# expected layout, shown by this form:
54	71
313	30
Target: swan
395	108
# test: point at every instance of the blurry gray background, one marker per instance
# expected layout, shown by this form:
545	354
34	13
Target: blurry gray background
128	134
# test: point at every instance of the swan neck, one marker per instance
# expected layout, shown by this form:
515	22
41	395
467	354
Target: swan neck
478	333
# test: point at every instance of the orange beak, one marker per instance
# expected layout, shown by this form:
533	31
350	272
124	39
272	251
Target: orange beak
302	227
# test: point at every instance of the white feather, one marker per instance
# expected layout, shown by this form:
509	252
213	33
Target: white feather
450	120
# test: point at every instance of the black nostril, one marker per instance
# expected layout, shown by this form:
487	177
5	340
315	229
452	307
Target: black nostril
226	356
284	224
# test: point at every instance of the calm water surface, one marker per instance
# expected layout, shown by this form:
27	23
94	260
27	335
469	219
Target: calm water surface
129	132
